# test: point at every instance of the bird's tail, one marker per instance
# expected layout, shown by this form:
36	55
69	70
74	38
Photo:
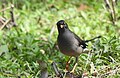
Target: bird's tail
92	39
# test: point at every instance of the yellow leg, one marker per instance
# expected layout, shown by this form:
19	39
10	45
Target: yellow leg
74	68
74	65
67	64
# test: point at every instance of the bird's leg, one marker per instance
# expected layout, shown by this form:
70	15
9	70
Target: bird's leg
76	63
67	64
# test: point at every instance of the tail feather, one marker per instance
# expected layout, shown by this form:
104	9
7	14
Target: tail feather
92	39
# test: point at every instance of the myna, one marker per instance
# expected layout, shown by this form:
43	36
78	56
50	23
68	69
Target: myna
69	43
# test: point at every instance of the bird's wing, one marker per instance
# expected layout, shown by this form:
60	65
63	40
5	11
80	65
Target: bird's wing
81	42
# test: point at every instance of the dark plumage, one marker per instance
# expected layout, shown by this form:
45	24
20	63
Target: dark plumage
69	43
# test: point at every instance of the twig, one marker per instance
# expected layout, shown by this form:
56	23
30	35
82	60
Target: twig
12	15
111	72
107	4
5	24
113	7
111	10
52	31
2	20
116	2
57	72
5	9
3	6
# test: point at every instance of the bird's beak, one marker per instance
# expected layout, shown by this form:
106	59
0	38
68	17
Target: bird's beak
61	26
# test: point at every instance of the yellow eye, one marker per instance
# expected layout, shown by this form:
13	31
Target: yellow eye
61	26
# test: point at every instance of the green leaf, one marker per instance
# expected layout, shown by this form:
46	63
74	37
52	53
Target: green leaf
3	48
84	15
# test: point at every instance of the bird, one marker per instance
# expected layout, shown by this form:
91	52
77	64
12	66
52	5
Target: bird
70	44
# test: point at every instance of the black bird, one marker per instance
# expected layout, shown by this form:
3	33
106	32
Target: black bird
69	43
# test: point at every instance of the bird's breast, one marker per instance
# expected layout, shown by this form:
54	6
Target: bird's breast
67	44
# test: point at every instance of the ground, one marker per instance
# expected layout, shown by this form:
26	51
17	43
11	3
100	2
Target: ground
35	34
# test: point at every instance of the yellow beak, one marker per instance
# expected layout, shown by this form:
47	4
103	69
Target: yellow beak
61	26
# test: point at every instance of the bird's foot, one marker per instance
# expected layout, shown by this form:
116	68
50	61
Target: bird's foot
65	71
72	71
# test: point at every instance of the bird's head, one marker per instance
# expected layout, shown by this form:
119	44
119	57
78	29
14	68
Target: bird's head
62	25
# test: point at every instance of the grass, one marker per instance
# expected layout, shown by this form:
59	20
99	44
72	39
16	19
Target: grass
33	38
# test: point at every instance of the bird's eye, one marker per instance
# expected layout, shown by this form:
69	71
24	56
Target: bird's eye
63	23
66	26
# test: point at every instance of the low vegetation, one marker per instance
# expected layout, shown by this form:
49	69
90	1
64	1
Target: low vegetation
34	34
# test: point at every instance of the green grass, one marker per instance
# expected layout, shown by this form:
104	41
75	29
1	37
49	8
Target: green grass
32	40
